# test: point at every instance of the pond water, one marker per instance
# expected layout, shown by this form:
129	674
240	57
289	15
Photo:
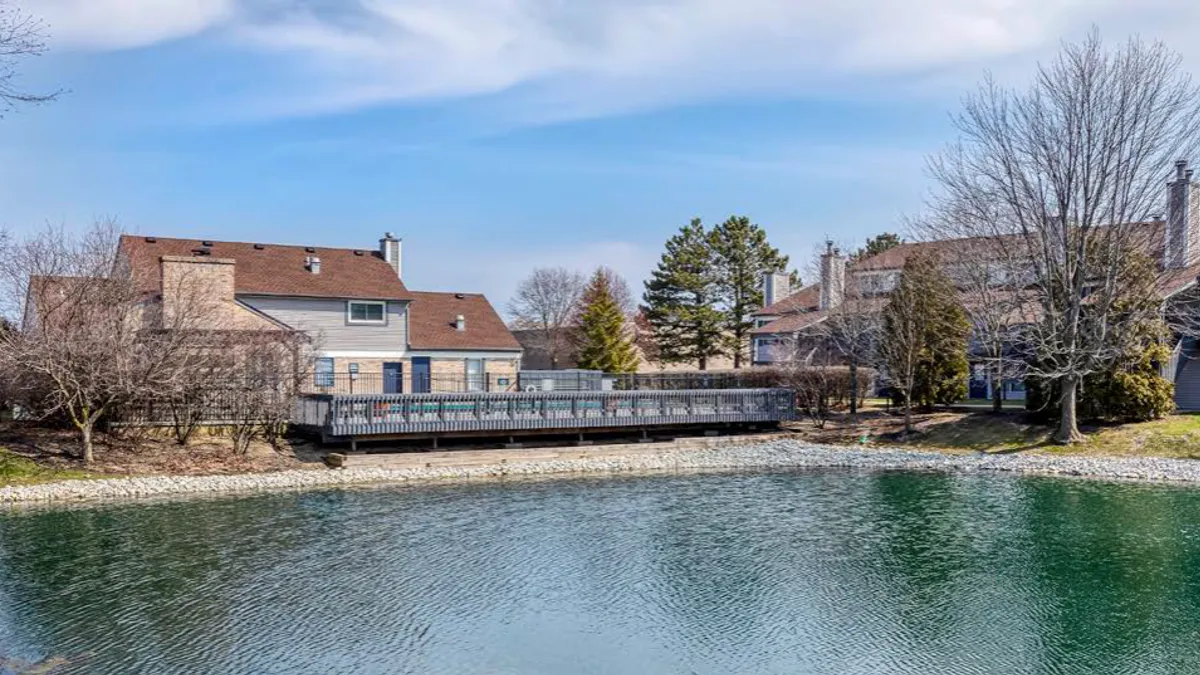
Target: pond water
815	572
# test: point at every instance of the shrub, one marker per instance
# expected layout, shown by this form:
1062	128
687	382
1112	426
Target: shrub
1133	390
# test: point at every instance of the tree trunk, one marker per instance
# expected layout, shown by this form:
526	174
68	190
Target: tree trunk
1068	429
85	431
997	390
737	358
853	390
908	425
703	363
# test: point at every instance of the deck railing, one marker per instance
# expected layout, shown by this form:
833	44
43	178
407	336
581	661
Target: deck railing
388	414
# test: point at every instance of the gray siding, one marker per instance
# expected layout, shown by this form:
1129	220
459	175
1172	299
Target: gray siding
325	318
1187	379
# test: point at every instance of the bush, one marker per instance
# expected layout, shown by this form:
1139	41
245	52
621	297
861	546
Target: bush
822	389
1131	391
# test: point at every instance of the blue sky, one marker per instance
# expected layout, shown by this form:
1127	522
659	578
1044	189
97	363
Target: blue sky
499	135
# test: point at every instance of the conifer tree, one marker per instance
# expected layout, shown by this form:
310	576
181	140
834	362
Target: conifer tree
925	337
604	341
742	255
876	245
680	299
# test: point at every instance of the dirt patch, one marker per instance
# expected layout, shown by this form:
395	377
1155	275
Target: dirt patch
146	454
946	430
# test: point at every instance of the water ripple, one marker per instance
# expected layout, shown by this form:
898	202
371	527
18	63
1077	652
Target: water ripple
814	572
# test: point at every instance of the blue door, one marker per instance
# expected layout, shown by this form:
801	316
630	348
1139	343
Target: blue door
420	375
393	378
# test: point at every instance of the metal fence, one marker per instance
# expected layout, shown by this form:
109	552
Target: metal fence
208	407
751	378
595	380
367	415
405	383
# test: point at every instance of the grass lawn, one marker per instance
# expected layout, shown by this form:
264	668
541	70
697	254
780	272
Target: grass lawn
17	470
962	429
1175	436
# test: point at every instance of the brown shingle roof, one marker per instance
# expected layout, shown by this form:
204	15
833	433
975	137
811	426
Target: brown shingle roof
803	300
431	323
274	269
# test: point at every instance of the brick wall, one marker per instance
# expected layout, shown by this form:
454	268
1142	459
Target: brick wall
198	292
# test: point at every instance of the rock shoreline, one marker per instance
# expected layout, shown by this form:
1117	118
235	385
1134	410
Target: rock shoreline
777	455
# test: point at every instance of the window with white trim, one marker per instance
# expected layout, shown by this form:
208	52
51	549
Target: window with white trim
358	311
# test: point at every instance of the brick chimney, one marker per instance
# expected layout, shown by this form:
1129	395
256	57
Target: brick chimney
391	249
833	277
1181	245
776	287
197	285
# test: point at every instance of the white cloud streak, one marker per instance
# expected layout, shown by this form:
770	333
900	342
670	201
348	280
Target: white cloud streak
123	24
586	57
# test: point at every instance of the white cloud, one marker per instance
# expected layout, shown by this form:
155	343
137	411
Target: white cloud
119	24
584	57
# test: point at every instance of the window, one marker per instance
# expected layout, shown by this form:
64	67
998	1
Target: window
475	381
366	312
323	373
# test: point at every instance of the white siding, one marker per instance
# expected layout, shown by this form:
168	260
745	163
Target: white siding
325	319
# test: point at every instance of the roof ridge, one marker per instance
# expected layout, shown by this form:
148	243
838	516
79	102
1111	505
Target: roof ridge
246	243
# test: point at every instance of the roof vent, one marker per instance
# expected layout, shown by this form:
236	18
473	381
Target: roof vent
150	240
460	323
309	249
259	247
206	243
313	263
460	296
201	251
358	253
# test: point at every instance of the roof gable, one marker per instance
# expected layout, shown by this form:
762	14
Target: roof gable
431	323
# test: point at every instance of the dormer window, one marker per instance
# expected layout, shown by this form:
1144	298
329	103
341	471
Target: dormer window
366	312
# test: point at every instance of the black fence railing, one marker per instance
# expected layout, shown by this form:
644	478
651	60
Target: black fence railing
218	405
406	383
751	378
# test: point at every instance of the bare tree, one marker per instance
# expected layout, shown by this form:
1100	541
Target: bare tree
545	303
1057	182
852	331
21	36
996	308
92	342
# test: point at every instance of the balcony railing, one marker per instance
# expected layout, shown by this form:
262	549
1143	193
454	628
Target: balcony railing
397	414
406	383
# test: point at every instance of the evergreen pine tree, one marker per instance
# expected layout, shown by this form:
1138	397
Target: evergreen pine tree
742	255
943	368
876	245
680	297
925	336
604	341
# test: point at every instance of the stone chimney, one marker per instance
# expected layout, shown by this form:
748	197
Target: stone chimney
833	277
776	287
1181	240
391	249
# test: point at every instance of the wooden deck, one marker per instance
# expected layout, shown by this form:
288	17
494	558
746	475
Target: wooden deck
346	417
